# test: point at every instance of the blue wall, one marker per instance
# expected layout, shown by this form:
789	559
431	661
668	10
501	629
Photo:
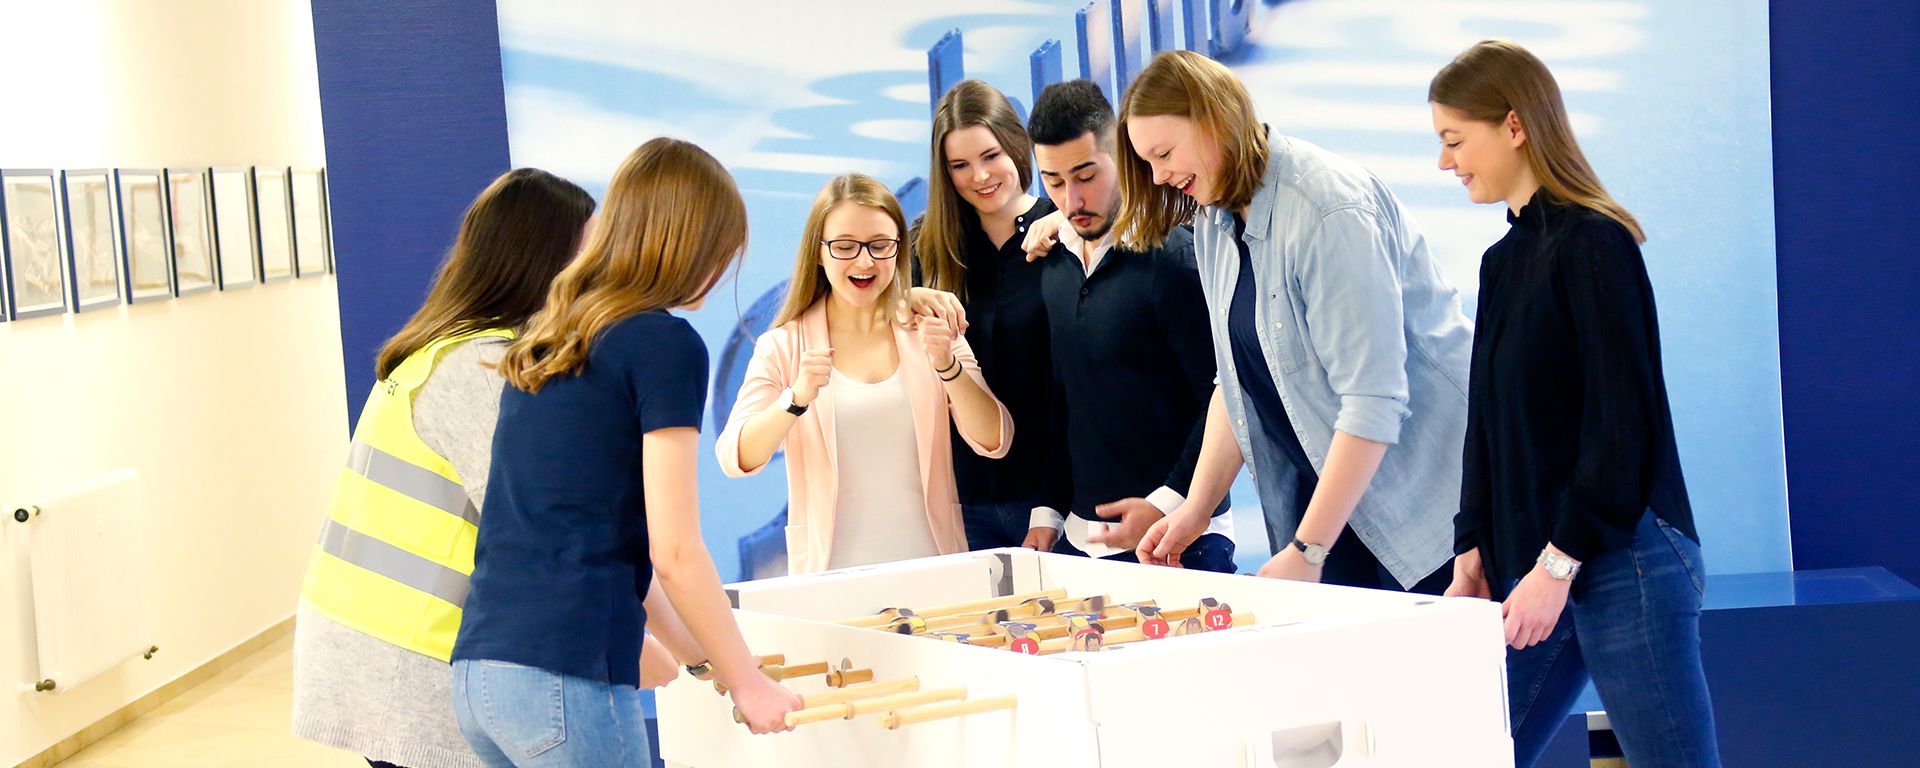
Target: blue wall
416	125
1846	158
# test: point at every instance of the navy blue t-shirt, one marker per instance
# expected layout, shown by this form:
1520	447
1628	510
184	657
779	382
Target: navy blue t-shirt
562	560
1256	380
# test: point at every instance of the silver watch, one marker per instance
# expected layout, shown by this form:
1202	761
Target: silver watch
1558	566
1314	554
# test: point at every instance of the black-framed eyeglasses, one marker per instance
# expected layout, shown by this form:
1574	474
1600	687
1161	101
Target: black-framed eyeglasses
848	250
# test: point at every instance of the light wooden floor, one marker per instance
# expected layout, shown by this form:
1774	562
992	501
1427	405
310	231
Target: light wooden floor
239	717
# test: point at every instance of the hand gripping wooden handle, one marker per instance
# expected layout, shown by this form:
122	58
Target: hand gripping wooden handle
777	673
850	693
894	720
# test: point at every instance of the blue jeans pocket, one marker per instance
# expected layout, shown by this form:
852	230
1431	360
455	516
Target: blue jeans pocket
524	707
1688	551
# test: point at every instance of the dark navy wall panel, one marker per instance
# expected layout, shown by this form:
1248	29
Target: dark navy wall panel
416	125
1846	135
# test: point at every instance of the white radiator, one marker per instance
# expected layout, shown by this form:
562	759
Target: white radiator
91	599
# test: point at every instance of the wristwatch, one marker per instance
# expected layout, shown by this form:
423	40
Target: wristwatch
786	401
1558	566
700	669
1314	554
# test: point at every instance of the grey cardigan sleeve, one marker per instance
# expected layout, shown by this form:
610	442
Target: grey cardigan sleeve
455	410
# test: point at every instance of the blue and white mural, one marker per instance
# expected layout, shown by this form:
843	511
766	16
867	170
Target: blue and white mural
1670	101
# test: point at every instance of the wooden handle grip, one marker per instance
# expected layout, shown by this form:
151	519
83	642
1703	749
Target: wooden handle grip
903	700
841	678
801	717
771	667
797	670
894	720
854	692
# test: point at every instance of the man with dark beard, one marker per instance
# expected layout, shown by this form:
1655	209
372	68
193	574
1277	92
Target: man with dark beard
1132	356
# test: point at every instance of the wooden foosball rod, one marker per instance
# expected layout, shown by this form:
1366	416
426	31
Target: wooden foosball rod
1048	627
778	672
856	708
852	693
972	606
996	636
1123	636
992	618
1020	612
894	720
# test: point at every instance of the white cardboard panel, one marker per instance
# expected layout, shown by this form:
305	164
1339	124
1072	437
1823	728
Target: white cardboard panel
1411	680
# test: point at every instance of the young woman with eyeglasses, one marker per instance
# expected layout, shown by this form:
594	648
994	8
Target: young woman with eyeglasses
861	390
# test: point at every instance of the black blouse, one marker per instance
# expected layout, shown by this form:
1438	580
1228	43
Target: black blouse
1007	329
1569	435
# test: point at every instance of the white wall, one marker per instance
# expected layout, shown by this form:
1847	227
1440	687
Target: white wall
229	404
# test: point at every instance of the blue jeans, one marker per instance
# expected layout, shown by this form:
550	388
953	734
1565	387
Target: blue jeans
1210	552
525	717
991	526
1632	622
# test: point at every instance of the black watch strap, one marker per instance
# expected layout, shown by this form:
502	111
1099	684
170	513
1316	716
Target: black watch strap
796	410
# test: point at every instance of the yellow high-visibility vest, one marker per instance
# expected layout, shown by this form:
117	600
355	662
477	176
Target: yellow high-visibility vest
397	549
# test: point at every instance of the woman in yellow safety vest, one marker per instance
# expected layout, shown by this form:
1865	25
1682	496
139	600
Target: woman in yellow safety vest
385	584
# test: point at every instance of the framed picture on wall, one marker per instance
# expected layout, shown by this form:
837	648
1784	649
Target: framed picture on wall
274	206
311	239
146	246
234	244
93	255
33	243
190	224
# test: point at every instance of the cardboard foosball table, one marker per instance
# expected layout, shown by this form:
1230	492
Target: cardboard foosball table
1007	658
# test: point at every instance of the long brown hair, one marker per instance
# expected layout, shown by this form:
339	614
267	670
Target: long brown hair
1187	84
1496	77
809	282
518	233
939	243
672	223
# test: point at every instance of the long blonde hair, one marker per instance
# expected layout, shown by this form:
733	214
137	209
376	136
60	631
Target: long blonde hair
809	282
939	243
672	223
1495	77
1187	84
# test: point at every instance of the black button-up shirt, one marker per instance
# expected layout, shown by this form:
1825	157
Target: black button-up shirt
1134	359
1007	328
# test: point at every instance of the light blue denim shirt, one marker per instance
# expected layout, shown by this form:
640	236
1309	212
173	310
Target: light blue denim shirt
1362	335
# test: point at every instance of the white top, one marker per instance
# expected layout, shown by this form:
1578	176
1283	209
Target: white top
1074	243
881	513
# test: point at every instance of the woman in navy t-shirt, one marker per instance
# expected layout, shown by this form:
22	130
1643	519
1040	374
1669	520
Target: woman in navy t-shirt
592	488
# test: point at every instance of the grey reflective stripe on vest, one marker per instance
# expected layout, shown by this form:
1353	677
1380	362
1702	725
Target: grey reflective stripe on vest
394	563
417	483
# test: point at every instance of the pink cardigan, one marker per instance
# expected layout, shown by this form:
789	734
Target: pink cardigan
813	480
